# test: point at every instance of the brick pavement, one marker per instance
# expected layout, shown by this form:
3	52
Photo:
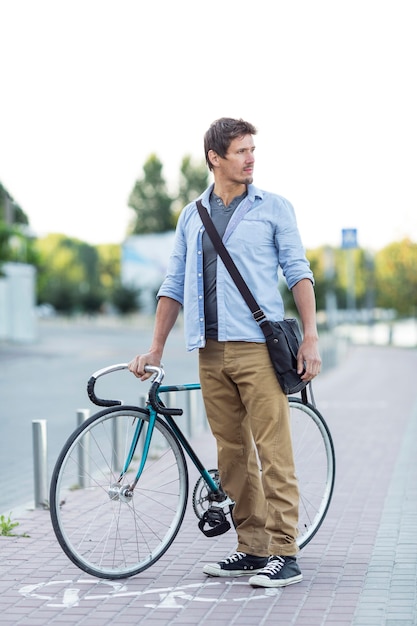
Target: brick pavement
359	570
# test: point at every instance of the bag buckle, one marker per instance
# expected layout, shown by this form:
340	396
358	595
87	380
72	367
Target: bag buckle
258	315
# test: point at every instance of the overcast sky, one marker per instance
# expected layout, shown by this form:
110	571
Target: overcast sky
90	88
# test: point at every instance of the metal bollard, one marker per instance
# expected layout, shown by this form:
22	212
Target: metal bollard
83	452
191	411
191	408
172	400
82	416
40	465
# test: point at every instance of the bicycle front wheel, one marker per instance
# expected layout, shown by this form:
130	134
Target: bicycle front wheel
315	467
103	528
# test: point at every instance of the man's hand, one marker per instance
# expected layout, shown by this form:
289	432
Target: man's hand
308	359
137	365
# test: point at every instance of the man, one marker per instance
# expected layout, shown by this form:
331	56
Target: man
246	408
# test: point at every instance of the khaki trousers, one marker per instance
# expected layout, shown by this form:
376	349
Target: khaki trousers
249	417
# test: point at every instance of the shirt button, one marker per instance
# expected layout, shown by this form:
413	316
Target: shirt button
199	252
199	275
200	297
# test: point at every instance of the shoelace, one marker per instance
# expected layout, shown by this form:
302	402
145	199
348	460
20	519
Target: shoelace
273	566
237	556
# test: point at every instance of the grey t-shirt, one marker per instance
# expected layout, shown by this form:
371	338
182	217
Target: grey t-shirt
220	214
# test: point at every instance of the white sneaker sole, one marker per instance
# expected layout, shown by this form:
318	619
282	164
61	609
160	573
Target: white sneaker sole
264	581
212	569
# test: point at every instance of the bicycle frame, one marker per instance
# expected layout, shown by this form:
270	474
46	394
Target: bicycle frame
212	485
181	437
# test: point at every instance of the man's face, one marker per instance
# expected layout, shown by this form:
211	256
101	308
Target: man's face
237	166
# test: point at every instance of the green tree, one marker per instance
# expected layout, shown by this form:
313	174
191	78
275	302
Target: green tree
396	277
125	298
317	260
387	279
331	272
358	258
10	211
150	201
109	264
194	178
15	244
68	274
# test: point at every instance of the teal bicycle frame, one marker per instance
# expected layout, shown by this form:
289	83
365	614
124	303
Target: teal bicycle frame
179	434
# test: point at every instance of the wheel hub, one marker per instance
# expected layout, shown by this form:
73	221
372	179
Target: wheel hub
123	493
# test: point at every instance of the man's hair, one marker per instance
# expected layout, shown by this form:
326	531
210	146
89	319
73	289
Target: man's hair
221	134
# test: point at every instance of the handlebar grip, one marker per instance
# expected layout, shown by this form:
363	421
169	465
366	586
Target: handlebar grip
160	408
153	399
95	399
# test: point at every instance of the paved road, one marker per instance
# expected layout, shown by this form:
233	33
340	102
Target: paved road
359	570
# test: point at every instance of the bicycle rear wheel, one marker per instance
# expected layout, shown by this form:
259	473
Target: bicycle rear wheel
315	467
102	529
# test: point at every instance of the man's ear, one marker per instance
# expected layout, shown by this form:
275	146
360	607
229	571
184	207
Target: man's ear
213	158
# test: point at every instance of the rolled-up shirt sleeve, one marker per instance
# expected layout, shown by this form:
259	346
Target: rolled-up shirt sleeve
292	259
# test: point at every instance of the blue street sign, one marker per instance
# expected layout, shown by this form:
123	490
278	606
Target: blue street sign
349	238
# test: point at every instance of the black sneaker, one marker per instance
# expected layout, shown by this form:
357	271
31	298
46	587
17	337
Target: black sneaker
278	572
237	564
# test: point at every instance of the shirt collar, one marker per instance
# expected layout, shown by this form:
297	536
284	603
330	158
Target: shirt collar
253	192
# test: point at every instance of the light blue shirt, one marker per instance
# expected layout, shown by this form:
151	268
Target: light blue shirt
261	237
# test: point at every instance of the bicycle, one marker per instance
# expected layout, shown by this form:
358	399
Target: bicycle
119	489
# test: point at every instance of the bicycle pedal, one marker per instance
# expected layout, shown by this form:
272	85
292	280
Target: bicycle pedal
216	520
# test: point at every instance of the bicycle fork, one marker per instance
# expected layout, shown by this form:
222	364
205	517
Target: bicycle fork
124	493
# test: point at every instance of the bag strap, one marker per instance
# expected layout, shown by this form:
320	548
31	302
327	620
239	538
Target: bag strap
257	313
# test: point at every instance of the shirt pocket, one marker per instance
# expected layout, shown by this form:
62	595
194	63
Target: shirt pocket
253	236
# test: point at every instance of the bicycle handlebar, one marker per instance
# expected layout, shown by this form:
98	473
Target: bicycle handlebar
153	391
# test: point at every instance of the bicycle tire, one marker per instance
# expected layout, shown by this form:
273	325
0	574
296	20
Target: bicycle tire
101	530
315	466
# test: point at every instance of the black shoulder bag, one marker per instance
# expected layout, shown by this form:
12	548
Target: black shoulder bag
283	338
